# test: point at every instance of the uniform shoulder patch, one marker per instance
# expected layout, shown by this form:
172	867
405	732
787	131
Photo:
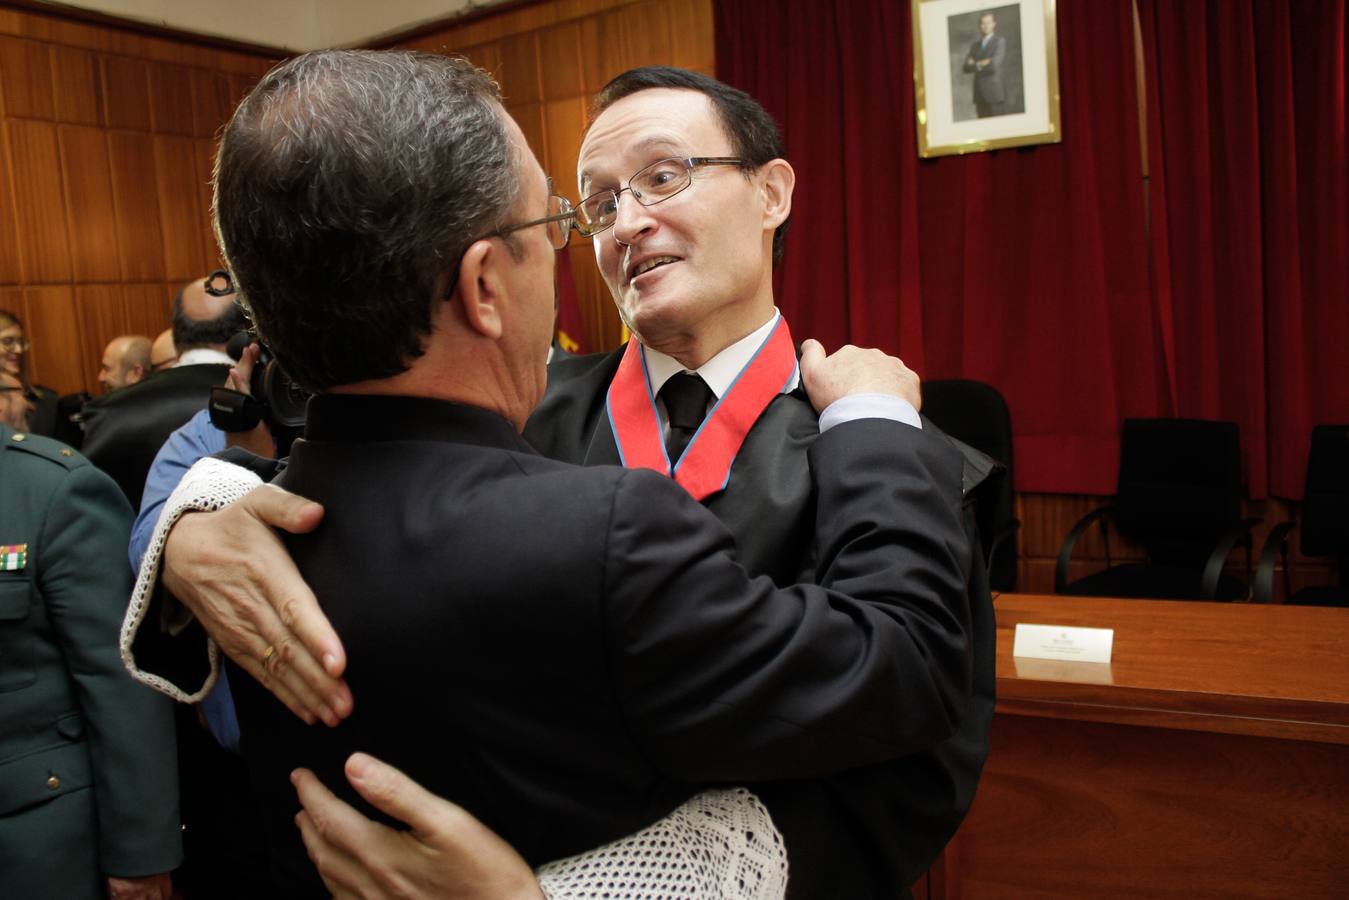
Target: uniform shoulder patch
46	448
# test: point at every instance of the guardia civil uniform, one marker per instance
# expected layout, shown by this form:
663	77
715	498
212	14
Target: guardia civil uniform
88	775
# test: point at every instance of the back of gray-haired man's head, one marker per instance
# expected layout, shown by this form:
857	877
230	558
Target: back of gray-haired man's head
348	185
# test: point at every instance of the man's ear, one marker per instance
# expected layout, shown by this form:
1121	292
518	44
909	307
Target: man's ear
481	287
777	180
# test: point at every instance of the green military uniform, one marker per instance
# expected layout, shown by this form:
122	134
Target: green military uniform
88	775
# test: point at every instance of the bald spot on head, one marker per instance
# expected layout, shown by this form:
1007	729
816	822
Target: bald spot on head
200	306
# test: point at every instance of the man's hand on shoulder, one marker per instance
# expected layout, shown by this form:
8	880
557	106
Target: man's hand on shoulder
853	370
230	568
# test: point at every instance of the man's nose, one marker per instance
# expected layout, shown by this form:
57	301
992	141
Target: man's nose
631	219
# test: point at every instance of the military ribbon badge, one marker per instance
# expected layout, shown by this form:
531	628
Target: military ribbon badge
13	557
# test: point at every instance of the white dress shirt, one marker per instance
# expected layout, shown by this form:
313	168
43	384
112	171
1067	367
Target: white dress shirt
720	373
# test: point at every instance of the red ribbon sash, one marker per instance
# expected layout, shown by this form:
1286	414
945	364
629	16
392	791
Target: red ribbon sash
705	466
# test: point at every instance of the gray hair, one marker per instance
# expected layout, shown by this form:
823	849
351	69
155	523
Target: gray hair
348	185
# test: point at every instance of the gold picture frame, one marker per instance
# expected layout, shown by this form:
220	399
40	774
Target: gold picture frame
985	75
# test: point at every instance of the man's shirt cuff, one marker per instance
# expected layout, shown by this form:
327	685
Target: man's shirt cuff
869	406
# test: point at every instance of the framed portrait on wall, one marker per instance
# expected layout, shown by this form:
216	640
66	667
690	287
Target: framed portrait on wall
985	75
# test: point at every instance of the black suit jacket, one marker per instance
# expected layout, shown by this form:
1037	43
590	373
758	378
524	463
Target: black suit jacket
570	652
870	832
124	430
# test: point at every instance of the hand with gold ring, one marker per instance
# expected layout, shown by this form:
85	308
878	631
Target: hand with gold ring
233	572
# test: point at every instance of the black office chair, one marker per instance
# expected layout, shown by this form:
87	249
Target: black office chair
1324	530
1180	498
974	412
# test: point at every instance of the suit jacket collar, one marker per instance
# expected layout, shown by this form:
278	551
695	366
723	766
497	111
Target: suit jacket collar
362	418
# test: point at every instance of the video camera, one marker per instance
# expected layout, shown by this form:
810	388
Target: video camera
273	397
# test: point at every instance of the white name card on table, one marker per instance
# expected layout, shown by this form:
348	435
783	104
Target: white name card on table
1061	642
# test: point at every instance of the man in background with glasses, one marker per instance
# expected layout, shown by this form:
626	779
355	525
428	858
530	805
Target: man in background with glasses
568	652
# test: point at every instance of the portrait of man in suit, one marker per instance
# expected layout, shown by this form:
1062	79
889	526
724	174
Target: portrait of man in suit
986	76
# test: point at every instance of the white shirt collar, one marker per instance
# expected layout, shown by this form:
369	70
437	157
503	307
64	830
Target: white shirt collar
721	370
201	356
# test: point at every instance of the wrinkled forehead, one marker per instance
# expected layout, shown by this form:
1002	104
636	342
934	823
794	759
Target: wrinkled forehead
648	125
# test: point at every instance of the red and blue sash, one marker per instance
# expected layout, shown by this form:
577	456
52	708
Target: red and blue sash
705	466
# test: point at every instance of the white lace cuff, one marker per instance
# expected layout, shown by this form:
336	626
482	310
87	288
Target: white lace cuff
209	485
720	844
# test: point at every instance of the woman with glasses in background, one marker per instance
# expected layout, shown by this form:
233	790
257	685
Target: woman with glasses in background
14	361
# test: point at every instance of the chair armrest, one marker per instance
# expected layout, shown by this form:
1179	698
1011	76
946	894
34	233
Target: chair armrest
1213	569
1066	551
1276	543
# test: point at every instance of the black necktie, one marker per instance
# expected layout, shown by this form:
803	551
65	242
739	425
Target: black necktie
686	397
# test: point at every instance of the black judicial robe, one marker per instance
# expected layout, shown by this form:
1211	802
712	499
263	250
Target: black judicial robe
870	832
123	430
531	640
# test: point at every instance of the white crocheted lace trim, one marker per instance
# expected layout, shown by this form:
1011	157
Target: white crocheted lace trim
209	485
720	845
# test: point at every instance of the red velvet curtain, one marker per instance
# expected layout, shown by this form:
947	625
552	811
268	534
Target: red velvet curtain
1046	271
1250	218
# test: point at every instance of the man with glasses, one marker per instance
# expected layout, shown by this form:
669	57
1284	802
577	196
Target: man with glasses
570	653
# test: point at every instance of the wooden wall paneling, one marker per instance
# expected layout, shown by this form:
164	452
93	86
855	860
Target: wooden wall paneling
239	86
180	212
484	56
149	308
77	85
560	70
596	69
39	202
58	30
210	102
692	44
126	92
603	328
26	79
205	161
530	120
135	191
102	316
10	266
636	35
171	98
518	72
52	326
91	218
563	124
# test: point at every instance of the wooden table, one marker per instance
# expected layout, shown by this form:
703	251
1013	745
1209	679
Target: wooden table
1209	758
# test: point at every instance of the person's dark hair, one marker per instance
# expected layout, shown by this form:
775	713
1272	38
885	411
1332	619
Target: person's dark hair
348	185
753	133
190	333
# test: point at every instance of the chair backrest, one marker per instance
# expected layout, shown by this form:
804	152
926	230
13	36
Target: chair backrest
1179	486
974	412
1325	506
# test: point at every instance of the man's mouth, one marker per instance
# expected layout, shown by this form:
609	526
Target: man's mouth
647	265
